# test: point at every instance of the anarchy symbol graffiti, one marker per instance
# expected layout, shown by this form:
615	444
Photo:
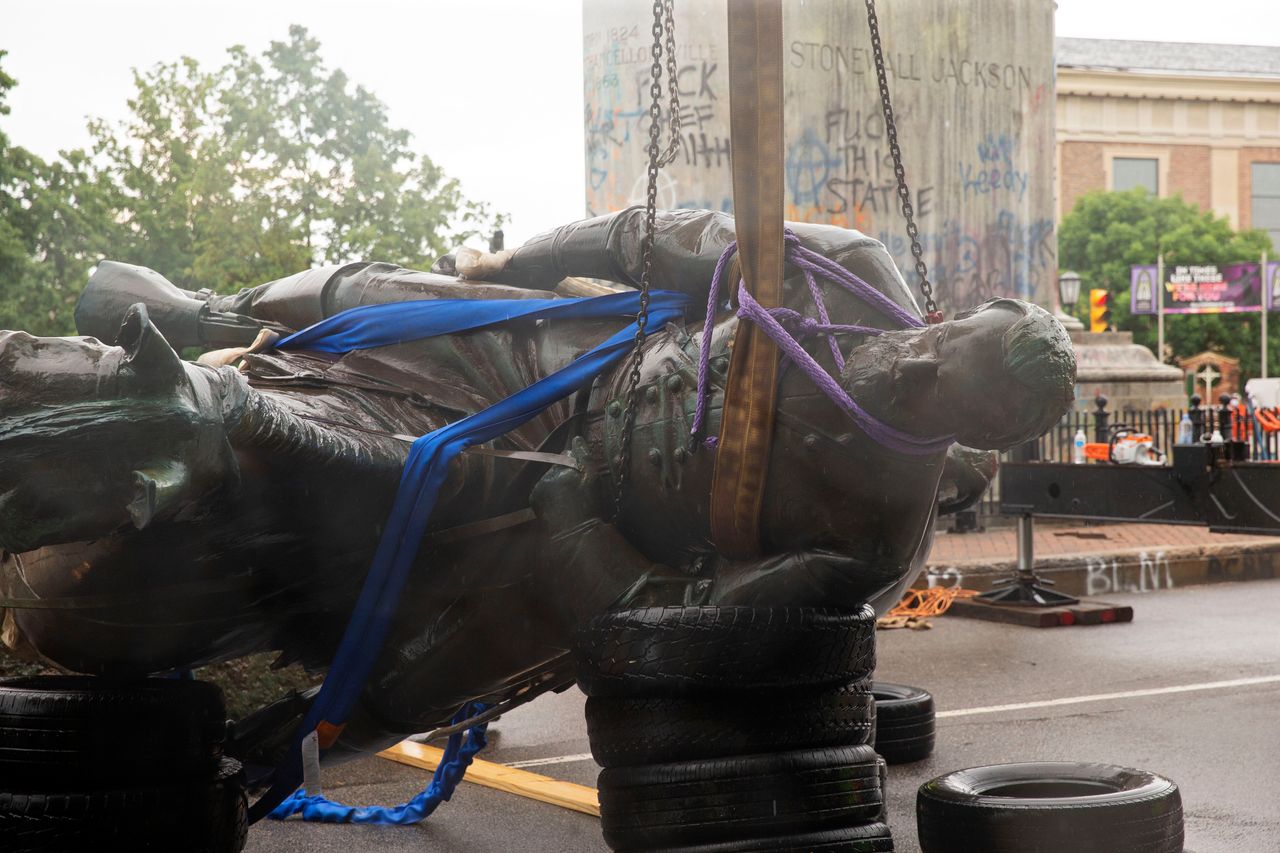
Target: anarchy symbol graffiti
808	167
666	190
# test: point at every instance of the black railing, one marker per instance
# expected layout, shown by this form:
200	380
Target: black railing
1058	444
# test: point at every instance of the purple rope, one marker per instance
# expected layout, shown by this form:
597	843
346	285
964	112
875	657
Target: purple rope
821	305
881	432
771	322
806	326
810	260
704	352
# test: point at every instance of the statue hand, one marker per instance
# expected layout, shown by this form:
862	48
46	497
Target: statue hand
475	265
966	476
566	497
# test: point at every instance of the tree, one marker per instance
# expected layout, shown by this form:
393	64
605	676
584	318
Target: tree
1107	232
55	223
268	165
223	179
13	251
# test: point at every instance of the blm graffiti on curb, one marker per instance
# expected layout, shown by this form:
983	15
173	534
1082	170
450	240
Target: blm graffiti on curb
1093	576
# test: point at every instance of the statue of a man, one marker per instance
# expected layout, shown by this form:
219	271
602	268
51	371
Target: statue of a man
187	512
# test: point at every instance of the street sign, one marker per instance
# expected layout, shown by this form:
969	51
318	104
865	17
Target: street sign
1204	288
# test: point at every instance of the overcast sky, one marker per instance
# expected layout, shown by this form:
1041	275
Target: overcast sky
491	89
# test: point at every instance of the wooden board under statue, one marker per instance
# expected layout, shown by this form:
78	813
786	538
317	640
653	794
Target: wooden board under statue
168	514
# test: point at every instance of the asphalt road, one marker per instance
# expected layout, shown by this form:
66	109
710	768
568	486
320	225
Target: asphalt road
1220	744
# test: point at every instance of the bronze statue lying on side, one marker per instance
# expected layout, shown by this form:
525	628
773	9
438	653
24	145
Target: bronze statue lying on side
168	513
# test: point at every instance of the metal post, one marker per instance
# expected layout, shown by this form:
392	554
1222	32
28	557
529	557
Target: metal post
1197	418
1266	309
1026	544
1025	588
1101	420
1160	308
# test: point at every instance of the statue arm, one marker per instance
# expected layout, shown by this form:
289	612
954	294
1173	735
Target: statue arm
865	257
312	295
594	566
966	475
687	246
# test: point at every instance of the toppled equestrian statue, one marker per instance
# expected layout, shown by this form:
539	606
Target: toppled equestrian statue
159	514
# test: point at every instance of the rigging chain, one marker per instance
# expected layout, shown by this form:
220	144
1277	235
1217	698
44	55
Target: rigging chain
932	313
663	24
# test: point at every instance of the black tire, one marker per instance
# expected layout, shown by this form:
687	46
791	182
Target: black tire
904	722
1050	807
730	799
868	838
73	731
625	732
195	817
681	651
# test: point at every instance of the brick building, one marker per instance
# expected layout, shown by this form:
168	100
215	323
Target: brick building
1200	120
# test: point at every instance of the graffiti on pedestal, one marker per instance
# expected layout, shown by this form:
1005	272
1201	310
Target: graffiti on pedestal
969	106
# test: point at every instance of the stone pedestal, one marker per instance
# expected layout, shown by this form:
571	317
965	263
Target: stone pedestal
1127	374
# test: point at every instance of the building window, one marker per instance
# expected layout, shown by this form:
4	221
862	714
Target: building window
1266	199
1130	172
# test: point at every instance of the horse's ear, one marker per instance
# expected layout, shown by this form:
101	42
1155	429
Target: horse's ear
150	359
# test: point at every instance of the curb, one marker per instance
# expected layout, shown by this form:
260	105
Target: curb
1146	569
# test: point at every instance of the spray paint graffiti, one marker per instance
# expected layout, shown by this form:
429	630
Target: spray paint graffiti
1006	256
994	173
973	108
1108	575
1103	575
939	577
617	119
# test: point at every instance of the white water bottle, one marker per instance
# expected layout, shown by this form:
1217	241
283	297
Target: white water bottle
1077	449
1185	430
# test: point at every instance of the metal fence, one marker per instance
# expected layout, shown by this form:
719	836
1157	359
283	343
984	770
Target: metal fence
1058	443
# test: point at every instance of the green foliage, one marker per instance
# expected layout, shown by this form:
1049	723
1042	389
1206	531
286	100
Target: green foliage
54	224
1107	232
223	179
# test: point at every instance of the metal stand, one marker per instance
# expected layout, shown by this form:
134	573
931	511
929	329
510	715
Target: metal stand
1025	588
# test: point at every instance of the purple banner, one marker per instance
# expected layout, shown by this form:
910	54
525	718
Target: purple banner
1204	288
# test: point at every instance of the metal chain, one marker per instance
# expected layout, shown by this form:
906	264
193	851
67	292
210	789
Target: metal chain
673	83
904	195
661	11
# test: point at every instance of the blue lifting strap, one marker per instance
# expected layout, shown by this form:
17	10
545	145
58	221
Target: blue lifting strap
427	466
449	772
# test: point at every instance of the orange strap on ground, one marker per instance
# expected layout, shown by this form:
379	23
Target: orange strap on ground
755	118
930	602
918	605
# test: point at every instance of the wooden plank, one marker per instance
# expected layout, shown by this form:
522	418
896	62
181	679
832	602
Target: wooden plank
1034	617
1087	612
522	783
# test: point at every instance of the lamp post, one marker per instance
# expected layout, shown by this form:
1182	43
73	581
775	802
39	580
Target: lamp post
1068	294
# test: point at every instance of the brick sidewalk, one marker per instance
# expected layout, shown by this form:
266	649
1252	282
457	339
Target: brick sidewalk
1053	543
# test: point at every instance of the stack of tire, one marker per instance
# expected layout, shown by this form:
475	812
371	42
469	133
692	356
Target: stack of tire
91	764
905	721
726	729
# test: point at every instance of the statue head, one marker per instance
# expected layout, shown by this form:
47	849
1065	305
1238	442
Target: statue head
995	376
96	437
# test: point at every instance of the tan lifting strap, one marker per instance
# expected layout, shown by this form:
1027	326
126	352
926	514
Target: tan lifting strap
755	116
